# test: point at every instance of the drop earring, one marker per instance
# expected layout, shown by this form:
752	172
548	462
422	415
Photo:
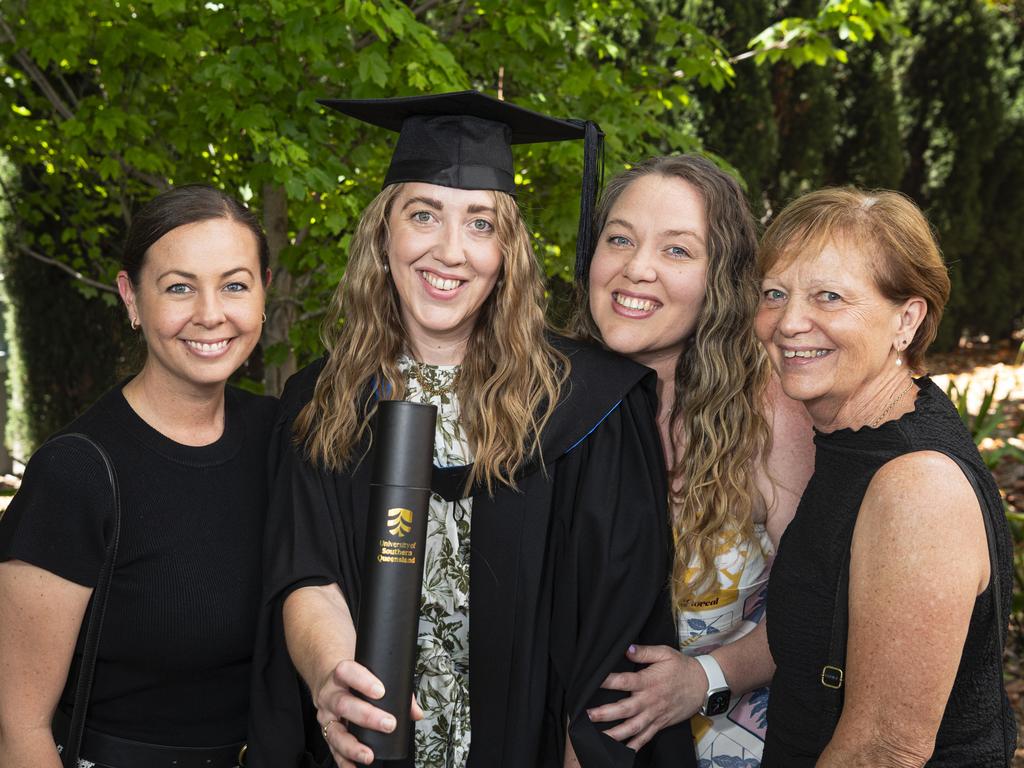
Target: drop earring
900	346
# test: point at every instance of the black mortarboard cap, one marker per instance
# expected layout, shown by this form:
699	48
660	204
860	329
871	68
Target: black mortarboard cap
463	140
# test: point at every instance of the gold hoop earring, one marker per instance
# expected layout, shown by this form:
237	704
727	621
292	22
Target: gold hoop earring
135	324
263	318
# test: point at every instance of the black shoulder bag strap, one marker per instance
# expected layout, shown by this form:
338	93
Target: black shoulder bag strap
98	607
833	672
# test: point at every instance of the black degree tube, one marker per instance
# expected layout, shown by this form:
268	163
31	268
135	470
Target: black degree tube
392	574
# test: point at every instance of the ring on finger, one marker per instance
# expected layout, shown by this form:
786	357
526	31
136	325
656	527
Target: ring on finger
324	728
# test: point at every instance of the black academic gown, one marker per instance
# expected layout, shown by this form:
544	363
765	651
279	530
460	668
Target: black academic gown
565	572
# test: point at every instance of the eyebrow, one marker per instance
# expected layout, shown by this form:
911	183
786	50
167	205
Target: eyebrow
619	222
431	202
191	276
683	232
437	205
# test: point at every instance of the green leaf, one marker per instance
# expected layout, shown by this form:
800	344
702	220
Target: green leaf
163	7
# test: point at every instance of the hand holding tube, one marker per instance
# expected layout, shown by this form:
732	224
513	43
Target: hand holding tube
338	705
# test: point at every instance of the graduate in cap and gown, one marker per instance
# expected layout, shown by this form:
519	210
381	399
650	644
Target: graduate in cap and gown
547	550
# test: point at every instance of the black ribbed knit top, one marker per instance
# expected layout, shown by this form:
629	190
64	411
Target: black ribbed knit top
176	649
977	728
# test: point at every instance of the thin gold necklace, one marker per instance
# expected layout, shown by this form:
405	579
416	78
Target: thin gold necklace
893	402
429	388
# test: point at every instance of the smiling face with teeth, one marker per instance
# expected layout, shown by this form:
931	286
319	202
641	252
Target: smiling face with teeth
444	256
829	331
199	298
649	273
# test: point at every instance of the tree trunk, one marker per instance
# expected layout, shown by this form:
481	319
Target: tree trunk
280	302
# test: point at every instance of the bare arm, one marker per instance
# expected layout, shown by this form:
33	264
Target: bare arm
571	761
319	632
918	561
321	640
790	461
40	617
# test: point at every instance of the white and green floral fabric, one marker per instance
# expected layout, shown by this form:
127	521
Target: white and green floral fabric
442	662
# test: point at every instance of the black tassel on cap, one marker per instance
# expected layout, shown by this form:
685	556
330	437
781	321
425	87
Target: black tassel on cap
593	180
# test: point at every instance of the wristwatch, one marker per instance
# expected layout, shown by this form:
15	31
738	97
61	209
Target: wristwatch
717	699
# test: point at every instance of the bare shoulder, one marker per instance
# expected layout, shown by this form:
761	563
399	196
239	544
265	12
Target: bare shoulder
790	423
921	509
791	457
928	481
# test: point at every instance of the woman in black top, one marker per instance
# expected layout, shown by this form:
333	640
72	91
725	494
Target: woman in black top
172	674
889	525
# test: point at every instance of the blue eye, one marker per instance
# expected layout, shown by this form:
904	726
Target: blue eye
678	252
482	225
830	296
620	241
774	294
179	288
236	287
423	217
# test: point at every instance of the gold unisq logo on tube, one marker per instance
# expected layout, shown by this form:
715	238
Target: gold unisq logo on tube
399	521
394	550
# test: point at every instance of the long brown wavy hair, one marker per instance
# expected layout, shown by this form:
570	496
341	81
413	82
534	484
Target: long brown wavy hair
509	381
717	427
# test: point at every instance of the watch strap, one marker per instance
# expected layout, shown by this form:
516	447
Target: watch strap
716	678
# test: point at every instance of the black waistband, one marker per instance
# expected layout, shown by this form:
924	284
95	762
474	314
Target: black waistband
124	753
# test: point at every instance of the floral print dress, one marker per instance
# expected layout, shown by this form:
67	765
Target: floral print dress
442	662
734	739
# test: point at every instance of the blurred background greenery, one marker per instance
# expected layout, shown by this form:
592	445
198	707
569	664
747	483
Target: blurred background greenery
102	105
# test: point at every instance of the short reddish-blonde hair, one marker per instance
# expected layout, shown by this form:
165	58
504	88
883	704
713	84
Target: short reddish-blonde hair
888	228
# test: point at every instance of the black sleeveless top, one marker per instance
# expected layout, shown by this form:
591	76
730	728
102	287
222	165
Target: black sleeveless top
977	728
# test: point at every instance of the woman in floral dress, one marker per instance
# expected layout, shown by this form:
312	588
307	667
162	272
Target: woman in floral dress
672	285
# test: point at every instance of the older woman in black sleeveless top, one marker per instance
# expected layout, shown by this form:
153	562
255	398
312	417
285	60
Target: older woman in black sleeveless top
853	290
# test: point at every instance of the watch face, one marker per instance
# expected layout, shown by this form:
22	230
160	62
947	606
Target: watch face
718	702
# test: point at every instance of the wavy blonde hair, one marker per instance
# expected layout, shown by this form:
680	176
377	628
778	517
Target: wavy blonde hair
717	426
508	384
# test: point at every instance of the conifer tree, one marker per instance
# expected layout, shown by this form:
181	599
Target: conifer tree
738	123
868	151
954	118
806	114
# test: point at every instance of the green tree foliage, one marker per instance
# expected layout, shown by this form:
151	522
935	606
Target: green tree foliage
104	104
739	122
62	368
954	117
868	150
993	274
806	113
